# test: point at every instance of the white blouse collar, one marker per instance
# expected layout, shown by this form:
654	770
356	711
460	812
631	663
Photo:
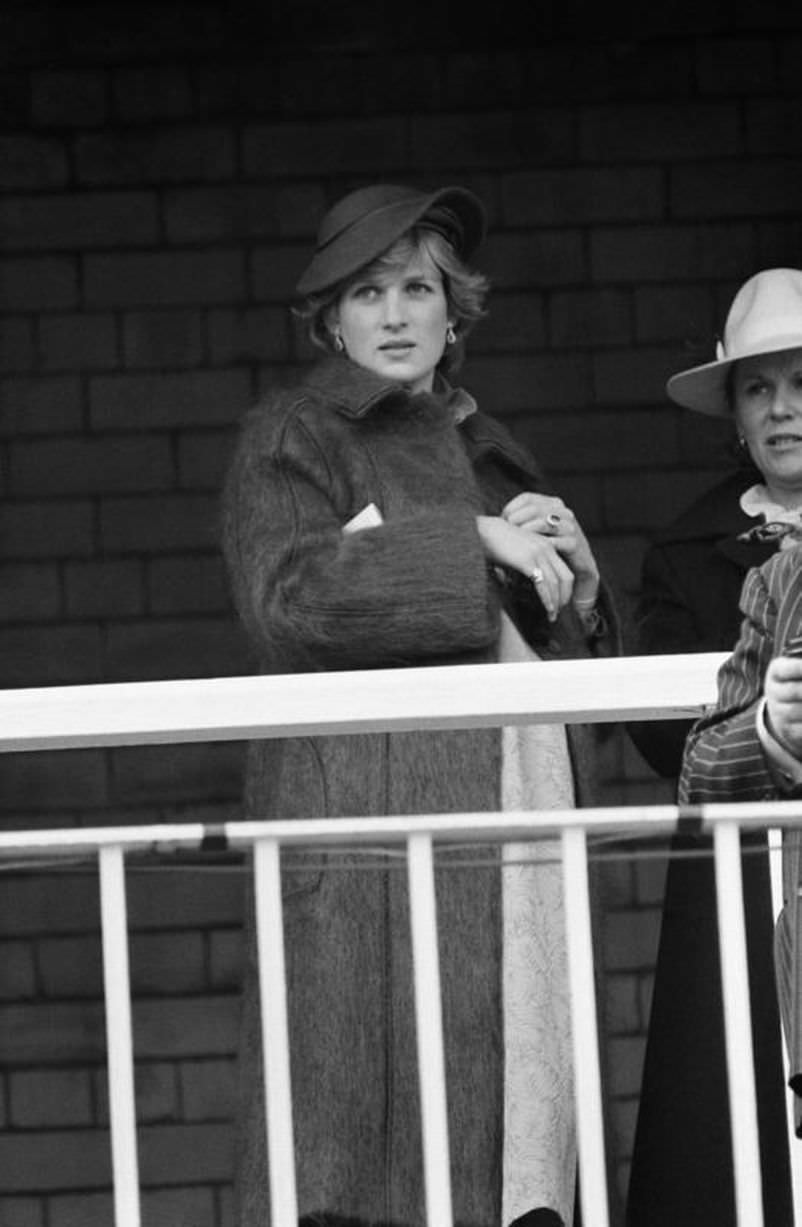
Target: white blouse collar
757	501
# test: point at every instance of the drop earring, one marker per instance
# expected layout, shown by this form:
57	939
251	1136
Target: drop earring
451	335
339	344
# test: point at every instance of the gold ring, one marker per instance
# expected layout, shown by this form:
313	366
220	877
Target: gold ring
537	576
553	519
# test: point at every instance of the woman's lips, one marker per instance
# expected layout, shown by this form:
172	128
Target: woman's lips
781	441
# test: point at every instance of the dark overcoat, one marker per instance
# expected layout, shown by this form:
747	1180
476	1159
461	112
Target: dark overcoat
690	588
692	580
416	590
724	758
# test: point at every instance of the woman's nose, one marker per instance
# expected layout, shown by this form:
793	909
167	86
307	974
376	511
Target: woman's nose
394	316
781	403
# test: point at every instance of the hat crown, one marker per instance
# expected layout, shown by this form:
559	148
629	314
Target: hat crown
766	314
765	318
359	204
366	222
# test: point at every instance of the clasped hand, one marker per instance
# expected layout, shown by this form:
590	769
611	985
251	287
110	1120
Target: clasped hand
783	690
540	537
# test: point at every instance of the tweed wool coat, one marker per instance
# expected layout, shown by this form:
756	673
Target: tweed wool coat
415	590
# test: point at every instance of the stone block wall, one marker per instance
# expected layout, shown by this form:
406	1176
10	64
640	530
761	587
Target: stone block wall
162	171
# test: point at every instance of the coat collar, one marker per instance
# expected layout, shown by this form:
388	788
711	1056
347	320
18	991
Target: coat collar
718	513
354	391
486	436
718	518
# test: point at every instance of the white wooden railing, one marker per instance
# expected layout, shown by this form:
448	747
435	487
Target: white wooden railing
635	688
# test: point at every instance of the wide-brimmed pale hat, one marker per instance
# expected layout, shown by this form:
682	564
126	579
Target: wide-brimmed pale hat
765	318
366	222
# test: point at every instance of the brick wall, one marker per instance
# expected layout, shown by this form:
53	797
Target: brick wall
162	170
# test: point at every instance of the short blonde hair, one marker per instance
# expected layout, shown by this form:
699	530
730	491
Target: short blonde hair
465	289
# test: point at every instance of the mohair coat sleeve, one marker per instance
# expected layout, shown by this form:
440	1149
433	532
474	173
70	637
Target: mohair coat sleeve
413	590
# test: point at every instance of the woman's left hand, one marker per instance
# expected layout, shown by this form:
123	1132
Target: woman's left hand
540	513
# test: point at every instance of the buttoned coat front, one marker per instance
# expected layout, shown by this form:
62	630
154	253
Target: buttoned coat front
416	589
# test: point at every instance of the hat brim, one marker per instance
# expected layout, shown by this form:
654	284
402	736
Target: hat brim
365	241
704	388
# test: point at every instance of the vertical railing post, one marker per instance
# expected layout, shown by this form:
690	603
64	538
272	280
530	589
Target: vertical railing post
429	1020
275	1033
587	1071
775	841
737	1025
119	1037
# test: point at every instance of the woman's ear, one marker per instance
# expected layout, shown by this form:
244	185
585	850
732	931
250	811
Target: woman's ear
331	319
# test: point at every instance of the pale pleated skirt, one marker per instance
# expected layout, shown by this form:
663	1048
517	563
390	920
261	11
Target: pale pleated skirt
539	1120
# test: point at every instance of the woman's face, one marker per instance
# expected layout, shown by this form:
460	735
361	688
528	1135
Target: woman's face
394	321
767	393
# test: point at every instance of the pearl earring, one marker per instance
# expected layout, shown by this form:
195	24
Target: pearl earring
339	344
451	335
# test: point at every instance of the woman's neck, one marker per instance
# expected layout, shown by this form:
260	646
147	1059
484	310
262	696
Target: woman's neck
786	497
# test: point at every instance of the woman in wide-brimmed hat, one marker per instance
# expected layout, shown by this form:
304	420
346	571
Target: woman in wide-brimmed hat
693	570
375	517
693	577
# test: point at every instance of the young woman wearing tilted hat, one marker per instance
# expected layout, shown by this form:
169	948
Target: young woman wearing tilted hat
375	517
693	599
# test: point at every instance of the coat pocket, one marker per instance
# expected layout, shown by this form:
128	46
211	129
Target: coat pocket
286	782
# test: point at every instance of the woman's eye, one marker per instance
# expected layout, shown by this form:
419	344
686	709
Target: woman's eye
419	288
366	293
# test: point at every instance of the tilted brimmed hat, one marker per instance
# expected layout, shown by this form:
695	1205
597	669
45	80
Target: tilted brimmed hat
365	223
765	318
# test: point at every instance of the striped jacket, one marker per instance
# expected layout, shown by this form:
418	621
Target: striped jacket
725	761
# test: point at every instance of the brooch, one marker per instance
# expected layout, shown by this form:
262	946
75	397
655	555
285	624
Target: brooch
773	531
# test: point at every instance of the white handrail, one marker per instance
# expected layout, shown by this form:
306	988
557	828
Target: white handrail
380	700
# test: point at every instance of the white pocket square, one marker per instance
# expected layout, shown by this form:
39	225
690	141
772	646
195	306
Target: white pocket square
368	517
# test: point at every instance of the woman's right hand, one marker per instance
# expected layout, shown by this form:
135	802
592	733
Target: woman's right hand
545	514
533	555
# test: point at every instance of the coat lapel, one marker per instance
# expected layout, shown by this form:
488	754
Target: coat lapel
746	554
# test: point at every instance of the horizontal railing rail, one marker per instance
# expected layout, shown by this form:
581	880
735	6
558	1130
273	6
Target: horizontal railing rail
289	705
640	688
